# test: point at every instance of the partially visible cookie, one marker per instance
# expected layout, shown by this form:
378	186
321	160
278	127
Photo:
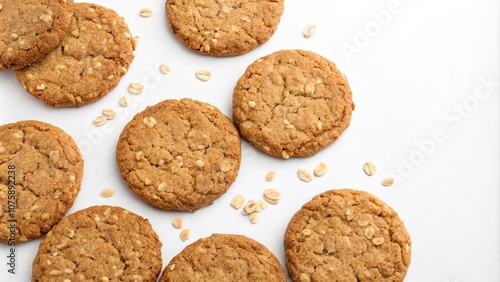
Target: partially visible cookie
89	62
41	171
224	257
31	29
99	243
347	235
179	154
292	103
223	28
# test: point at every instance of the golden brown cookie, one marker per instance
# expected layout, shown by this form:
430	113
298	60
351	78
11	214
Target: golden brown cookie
89	62
99	243
41	172
179	155
30	29
347	235
223	28
224	257
292	103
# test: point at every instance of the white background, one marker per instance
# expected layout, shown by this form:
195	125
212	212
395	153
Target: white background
425	114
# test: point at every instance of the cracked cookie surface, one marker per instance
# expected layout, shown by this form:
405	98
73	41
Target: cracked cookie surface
89	62
224	257
30	29
292	103
99	243
179	154
47	168
347	235
223	28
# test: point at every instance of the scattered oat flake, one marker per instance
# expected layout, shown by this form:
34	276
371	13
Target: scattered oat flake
270	176
135	88
304	175
388	181
204	75
262	205
309	31
320	169
254	217
124	101
146	12
109	113
185	234
369	168
164	69
238	201
100	120
177	223
107	192
250	207
272	196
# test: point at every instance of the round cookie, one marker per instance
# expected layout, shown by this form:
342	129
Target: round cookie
292	103
90	61
347	235
224	257
31	29
41	171
179	154
223	28
99	243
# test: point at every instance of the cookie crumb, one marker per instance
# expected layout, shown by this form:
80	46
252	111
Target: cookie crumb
238	201
272	196
107	192
109	113
204	75
164	69
146	12
137	39
270	176
369	168
309	31
320	169
124	101
135	88
185	234
100	121
388	181
177	223
304	175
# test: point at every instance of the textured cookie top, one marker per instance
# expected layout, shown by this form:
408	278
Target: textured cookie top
30	29
224	257
179	155
347	235
292	103
223	28
88	63
41	172
99	243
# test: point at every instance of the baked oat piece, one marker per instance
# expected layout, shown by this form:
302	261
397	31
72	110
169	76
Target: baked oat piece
99	243
30	29
347	235
96	52
223	28
179	154
41	172
224	257
292	103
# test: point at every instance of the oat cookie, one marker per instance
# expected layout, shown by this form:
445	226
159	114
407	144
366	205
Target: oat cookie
99	243
96	52
223	28
224	257
292	103
347	235
179	154
30	29
41	172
